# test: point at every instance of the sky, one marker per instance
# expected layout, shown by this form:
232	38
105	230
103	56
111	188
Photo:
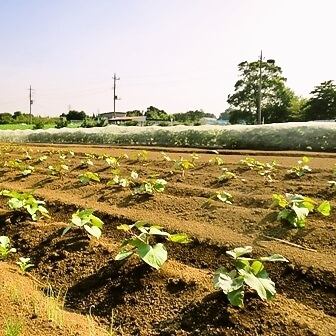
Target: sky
177	55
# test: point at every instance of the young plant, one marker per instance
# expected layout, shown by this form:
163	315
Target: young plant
150	187
88	177
139	243
124	182
301	168
267	169
113	162
247	271
24	264
25	200
222	196
183	165
218	161
5	247
332	184
294	208
42	158
142	156
59	169
165	156
86	220
226	175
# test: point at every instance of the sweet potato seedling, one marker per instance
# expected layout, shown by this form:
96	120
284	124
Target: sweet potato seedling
294	208
86	220
149	186
226	175
221	196
217	160
25	200
24	264
301	168
247	271
88	177
141	234
5	247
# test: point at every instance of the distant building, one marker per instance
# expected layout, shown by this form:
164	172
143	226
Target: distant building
120	118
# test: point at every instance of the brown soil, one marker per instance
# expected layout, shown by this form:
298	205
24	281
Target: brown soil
179	299
23	304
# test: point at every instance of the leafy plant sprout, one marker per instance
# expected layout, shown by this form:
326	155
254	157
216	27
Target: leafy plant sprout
24	264
26	200
294	208
88	177
226	175
59	169
124	182
86	220
165	156
139	243
217	160
150	187
142	156
221	196
247	271
301	168
5	247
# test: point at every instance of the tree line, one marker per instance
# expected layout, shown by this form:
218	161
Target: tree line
262	82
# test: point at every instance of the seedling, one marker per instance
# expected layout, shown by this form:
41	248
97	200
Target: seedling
24	264
25	200
88	177
86	163
59	169
166	157
222	196
140	244
42	158
142	156
112	161
301	168
86	220
264	169
247	271
226	175
294	208
124	182
218	161
183	165
5	247
150	187
332	184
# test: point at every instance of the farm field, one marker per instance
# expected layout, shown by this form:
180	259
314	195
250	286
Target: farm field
179	299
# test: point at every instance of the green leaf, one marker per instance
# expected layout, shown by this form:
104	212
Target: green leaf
257	267
124	227
236	297
239	251
274	257
264	286
279	200
123	255
301	213
324	208
96	221
180	238
153	256
93	231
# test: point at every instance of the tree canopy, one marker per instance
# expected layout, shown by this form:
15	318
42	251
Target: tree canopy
322	104
275	96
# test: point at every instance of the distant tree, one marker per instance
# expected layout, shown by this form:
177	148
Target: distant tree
274	94
226	114
192	116
17	114
6	118
134	113
297	108
74	115
153	113
322	104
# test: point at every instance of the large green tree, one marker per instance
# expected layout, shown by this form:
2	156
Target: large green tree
153	113
322	104
275	96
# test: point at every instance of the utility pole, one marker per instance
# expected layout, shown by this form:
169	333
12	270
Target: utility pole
259	91
115	97
30	104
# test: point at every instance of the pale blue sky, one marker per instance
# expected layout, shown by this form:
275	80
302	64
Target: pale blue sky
177	55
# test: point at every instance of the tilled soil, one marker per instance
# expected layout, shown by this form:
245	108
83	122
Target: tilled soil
179	299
